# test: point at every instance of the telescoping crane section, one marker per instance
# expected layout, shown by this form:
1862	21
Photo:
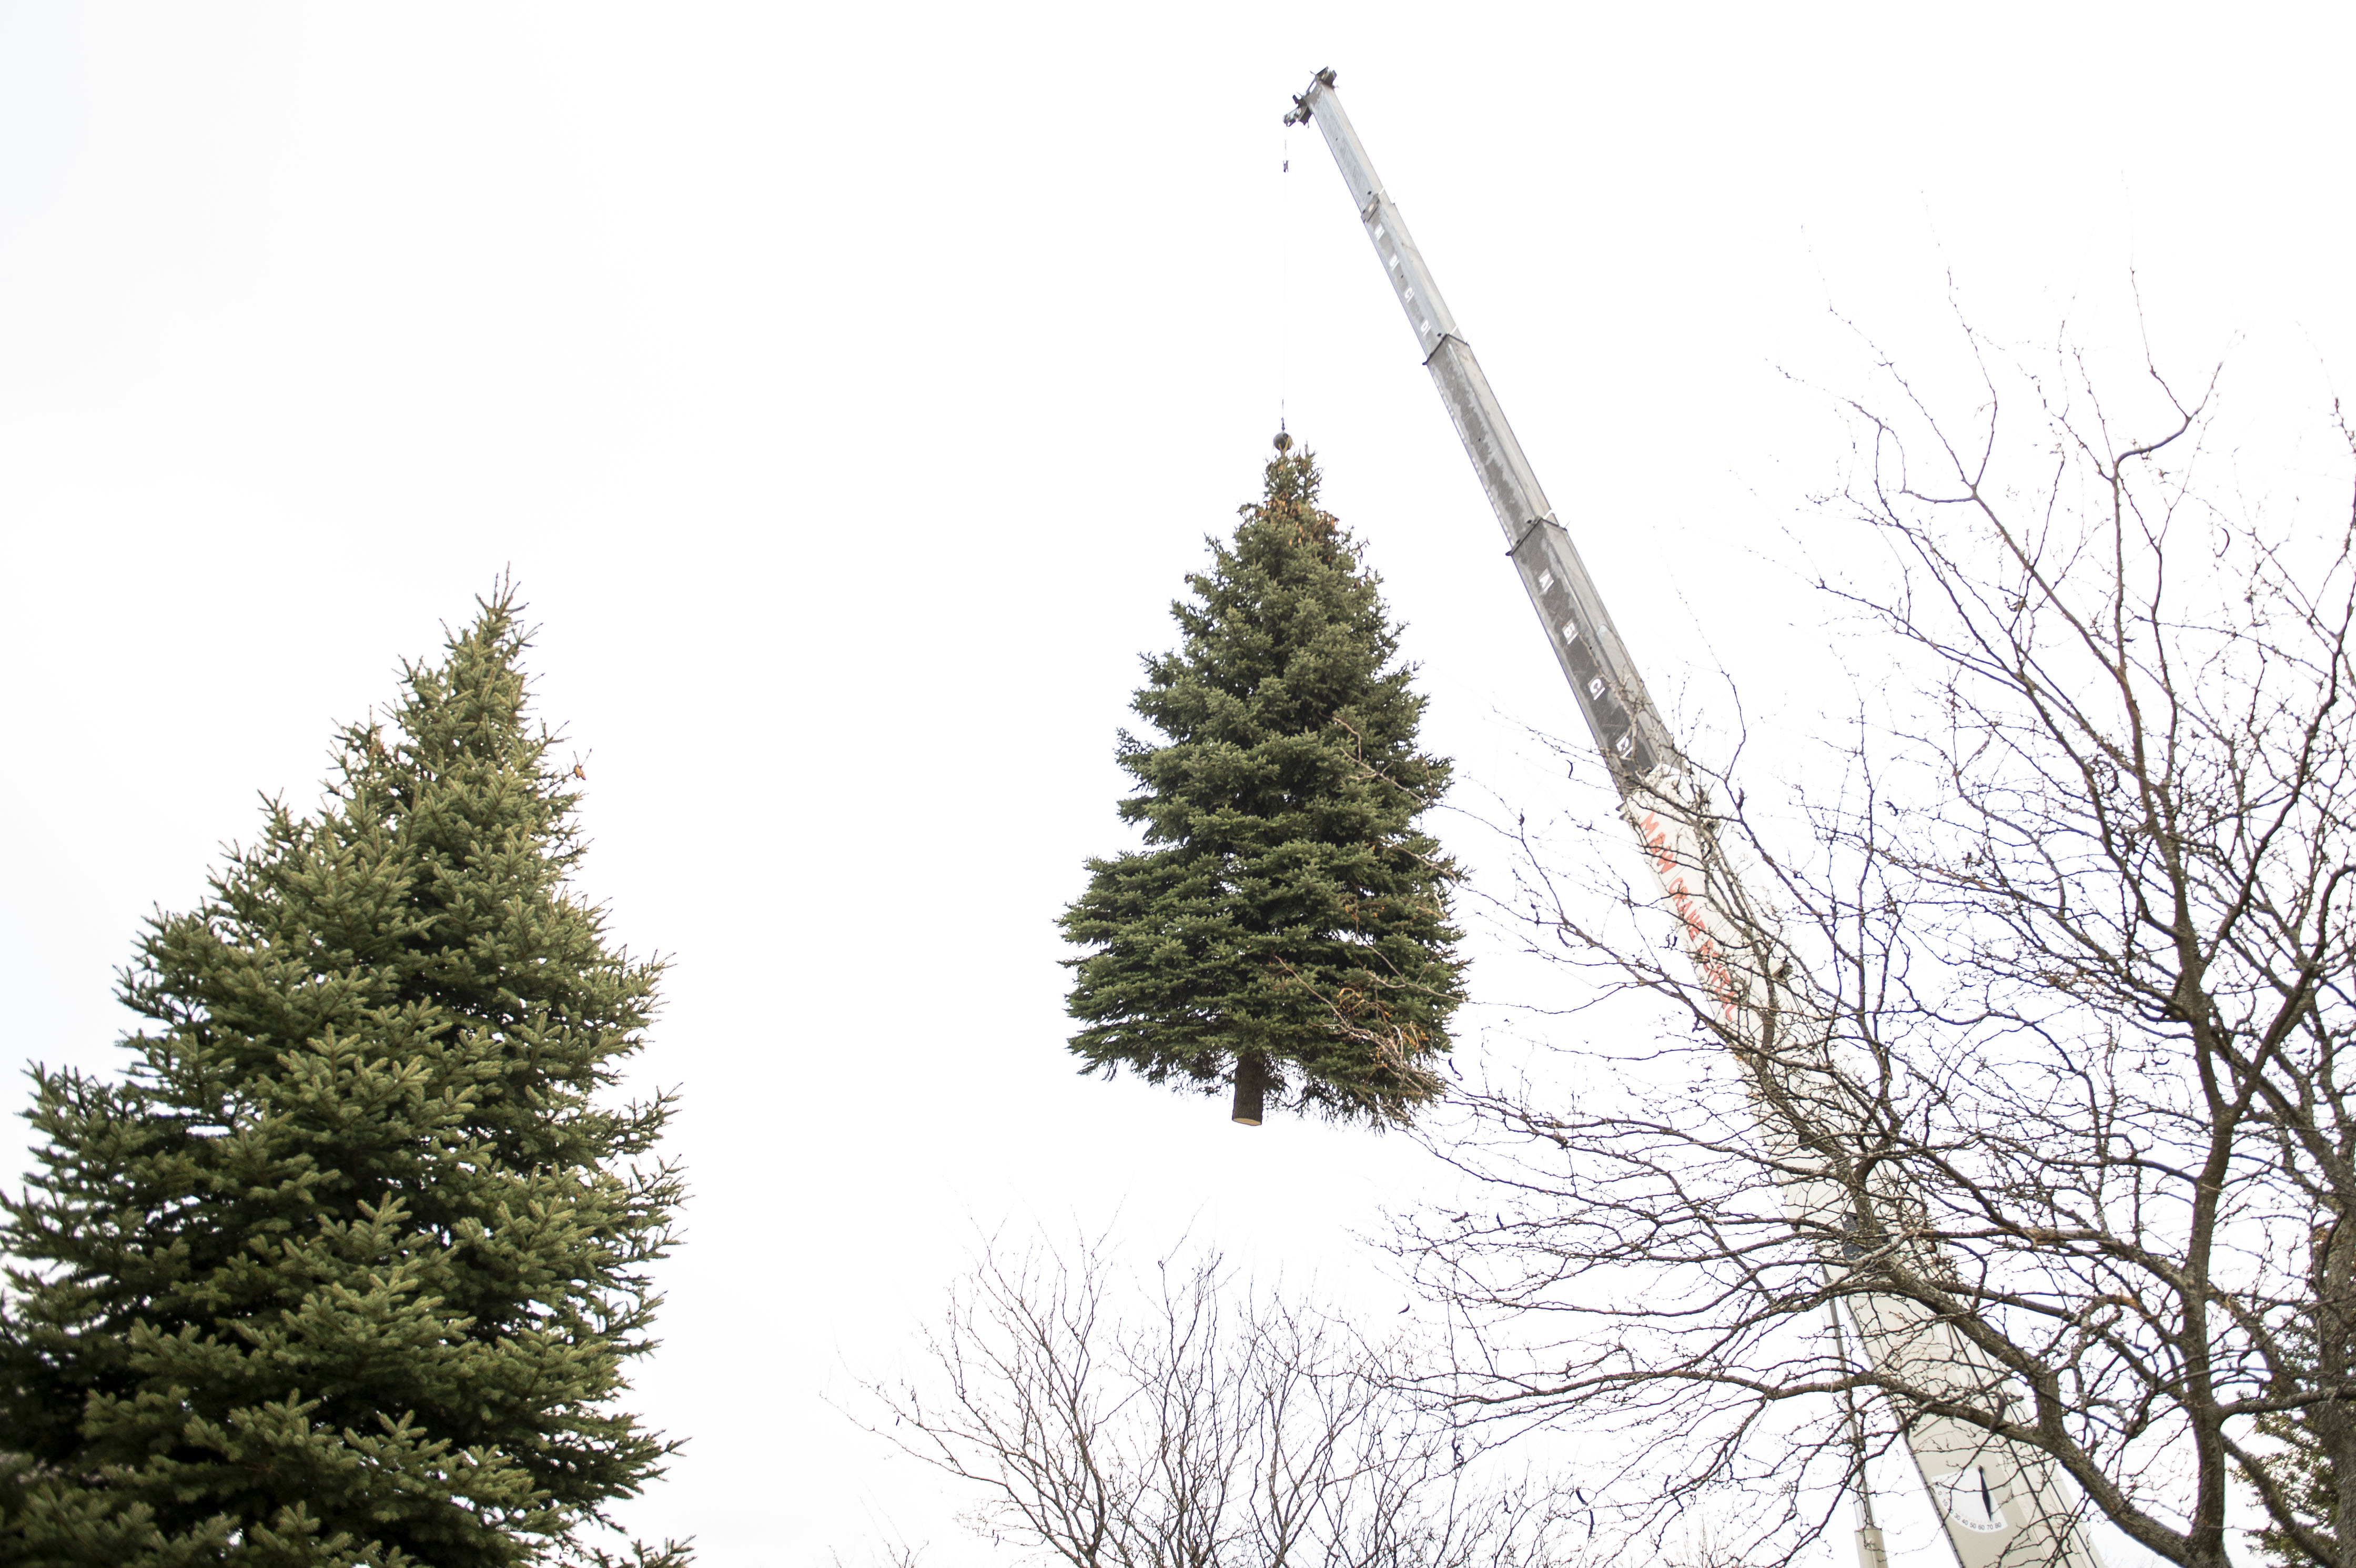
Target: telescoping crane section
2003	1506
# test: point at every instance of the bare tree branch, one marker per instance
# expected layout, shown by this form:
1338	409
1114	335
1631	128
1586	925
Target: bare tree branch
2073	943
1216	1426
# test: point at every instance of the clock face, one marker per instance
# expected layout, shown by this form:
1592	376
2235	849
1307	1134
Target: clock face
1970	1499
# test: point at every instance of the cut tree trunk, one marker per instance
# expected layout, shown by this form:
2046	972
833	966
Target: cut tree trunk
1251	1087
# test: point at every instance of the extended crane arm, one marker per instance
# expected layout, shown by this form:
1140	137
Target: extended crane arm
1611	694
2003	1506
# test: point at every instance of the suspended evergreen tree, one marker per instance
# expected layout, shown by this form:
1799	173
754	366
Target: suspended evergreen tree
1286	929
347	1268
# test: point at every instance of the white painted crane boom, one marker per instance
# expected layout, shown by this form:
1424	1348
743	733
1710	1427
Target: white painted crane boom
2003	1505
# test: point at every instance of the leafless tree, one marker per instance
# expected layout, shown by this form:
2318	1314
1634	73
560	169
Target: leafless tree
1214	1428
2070	944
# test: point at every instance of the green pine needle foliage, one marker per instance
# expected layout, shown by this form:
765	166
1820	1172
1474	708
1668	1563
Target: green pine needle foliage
1286	911
348	1266
2302	1476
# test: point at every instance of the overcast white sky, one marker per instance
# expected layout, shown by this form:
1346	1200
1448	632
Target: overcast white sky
850	388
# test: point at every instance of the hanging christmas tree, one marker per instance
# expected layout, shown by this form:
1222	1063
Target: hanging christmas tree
347	1268
1285	930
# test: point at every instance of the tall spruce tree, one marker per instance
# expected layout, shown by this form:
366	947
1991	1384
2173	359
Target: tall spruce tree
347	1269
1286	929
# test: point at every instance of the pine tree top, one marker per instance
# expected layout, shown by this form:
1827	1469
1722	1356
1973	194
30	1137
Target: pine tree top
1292	482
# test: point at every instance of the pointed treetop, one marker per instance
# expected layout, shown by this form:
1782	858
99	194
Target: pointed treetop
1292	480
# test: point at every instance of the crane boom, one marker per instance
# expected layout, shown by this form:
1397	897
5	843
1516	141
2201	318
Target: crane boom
2002	1504
1611	694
